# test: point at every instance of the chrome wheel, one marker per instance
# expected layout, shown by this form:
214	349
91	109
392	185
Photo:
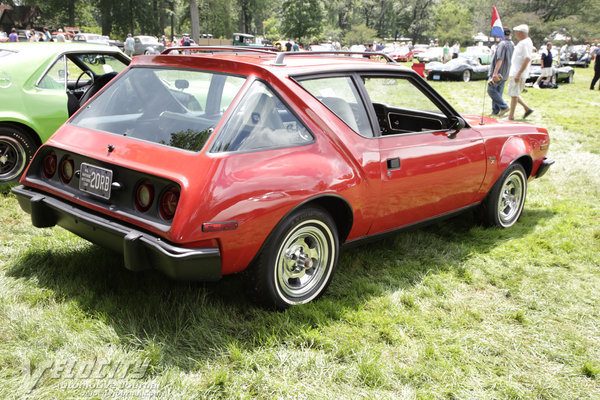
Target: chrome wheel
13	159
304	261
466	76
297	261
503	205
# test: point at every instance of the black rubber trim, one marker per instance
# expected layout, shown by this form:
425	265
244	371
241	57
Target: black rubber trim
140	250
546	164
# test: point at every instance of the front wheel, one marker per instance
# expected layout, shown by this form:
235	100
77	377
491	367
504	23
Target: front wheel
466	76
297	261
16	150
504	203
570	77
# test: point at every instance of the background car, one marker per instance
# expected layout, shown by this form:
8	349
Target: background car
205	165
402	54
3	37
431	54
481	53
37	83
559	73
576	56
90	38
147	45
460	69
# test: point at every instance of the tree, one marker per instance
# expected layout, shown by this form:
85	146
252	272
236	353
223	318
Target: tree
452	23
302	18
415	17
360	34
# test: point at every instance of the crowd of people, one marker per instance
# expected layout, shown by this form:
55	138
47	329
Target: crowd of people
511	63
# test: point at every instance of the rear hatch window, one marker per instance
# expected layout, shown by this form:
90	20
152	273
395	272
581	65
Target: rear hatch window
172	107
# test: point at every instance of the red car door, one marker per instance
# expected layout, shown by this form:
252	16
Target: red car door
425	171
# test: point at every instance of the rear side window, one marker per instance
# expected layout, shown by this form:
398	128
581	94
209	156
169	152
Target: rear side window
177	108
261	121
340	95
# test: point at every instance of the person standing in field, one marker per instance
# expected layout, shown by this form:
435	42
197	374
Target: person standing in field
129	45
499	68
546	66
596	69
519	70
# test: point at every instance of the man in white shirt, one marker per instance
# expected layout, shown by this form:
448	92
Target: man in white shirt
519	70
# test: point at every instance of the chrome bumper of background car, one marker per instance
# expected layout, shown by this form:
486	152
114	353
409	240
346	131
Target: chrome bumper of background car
544	167
140	250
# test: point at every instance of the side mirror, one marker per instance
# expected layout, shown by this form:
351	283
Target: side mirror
182	84
455	125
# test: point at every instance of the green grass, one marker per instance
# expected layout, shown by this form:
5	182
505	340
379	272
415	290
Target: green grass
451	311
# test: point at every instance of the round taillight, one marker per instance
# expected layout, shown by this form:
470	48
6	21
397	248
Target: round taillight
168	203
50	163
144	195
67	170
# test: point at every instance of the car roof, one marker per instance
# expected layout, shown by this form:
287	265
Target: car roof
291	63
49	48
29	56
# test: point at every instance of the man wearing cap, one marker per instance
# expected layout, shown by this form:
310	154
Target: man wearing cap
129	45
519	70
498	73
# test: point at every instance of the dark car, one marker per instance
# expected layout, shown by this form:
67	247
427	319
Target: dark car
577	56
457	69
205	165
559	73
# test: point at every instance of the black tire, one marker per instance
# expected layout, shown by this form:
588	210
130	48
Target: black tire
297	261
16	150
466	75
503	205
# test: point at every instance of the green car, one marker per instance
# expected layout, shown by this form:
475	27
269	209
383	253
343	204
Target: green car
40	85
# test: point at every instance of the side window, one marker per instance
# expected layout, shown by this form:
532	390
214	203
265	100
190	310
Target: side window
401	107
261	122
340	95
55	77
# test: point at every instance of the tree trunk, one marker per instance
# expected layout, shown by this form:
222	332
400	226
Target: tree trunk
194	20
71	7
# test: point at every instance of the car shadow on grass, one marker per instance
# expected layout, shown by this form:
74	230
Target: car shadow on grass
182	324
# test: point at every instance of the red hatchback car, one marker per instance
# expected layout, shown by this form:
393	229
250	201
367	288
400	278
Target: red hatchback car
205	165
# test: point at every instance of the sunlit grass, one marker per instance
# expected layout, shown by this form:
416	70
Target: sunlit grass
449	311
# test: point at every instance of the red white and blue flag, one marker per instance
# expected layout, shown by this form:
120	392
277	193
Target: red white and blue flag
497	29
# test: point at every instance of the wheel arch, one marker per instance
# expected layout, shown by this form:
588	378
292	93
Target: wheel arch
518	150
340	210
26	128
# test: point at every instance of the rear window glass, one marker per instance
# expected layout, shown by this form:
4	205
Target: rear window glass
177	108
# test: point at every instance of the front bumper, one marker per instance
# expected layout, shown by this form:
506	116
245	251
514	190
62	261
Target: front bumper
140	250
544	166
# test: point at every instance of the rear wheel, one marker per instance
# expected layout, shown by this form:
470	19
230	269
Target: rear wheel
466	76
504	203
570	77
16	150
297	261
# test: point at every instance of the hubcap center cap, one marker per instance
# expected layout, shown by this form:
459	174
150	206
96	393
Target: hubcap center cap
300	260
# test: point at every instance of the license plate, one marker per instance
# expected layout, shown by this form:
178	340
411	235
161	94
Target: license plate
436	77
95	180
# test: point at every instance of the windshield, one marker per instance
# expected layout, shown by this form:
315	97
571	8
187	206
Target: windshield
148	39
177	108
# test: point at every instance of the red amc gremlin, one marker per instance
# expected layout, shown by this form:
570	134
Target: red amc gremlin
209	164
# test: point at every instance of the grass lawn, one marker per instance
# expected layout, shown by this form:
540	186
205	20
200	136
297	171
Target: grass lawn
451	311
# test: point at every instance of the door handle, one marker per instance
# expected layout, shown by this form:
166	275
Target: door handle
393	163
